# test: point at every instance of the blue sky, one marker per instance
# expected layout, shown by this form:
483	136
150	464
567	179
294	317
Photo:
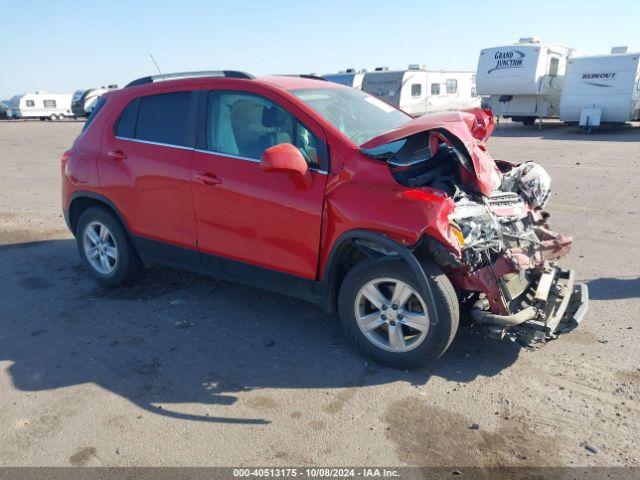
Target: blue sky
61	46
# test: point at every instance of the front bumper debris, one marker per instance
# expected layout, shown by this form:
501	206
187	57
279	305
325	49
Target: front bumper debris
560	305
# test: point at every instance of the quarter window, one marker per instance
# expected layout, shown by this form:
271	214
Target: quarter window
435	89
49	103
126	125
246	125
452	85
416	90
31	103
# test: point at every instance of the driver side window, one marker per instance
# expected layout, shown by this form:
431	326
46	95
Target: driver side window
245	125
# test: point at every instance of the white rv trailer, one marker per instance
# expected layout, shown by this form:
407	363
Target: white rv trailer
84	101
42	105
349	77
418	91
602	89
523	81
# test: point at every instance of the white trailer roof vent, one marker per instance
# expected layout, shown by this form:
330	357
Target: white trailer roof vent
381	69
615	50
529	40
417	66
350	70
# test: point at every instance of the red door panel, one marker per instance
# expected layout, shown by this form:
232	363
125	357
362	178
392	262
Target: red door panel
268	219
151	186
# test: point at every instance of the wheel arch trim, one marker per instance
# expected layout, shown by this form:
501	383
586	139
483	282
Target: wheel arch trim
80	194
352	236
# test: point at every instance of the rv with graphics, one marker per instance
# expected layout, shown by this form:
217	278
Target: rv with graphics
418	91
42	105
84	101
523	81
602	89
349	77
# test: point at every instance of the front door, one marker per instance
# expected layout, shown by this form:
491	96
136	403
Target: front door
264	219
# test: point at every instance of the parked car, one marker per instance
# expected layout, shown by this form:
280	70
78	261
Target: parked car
323	192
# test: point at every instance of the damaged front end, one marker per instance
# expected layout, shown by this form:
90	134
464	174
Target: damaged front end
509	259
505	262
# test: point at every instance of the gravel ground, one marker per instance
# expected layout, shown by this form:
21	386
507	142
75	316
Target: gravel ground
181	369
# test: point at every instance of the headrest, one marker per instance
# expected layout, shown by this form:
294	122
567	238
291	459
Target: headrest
273	117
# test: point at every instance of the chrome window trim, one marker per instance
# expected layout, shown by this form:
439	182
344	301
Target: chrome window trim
160	144
247	159
210	152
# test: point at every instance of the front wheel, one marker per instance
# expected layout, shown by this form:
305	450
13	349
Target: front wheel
392	319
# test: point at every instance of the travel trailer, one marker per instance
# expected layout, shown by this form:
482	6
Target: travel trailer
602	89
84	101
523	81
418	91
42	105
349	77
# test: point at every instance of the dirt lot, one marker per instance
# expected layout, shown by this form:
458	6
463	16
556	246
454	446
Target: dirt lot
186	370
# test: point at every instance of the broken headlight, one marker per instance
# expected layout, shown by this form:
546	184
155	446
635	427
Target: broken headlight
476	223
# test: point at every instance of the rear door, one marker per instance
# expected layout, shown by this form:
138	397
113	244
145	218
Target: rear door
265	219
146	170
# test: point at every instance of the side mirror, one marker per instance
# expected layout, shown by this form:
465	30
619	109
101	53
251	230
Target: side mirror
284	157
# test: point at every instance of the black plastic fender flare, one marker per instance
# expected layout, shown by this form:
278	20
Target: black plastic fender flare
389	244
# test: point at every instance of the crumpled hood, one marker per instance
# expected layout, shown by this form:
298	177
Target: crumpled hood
472	127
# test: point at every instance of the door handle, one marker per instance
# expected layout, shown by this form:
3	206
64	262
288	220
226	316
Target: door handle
117	155
207	178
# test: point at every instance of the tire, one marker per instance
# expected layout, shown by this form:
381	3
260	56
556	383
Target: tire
118	266
420	347
529	121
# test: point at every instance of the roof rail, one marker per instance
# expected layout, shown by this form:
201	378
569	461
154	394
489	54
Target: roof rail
311	76
203	73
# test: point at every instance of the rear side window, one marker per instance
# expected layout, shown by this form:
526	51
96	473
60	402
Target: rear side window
164	118
435	89
452	85
99	104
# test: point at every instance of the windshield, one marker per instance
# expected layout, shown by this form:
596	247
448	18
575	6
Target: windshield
357	115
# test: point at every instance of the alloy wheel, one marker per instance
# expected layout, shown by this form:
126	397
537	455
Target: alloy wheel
391	314
100	248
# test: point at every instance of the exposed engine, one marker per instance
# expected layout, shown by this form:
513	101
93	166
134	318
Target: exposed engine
506	219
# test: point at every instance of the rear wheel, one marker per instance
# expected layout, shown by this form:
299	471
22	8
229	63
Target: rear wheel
529	121
53	117
105	247
389	316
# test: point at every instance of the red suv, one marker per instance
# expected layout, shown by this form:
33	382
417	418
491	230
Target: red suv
323	192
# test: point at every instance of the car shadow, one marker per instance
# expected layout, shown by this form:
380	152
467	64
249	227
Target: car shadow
555	130
174	337
614	288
